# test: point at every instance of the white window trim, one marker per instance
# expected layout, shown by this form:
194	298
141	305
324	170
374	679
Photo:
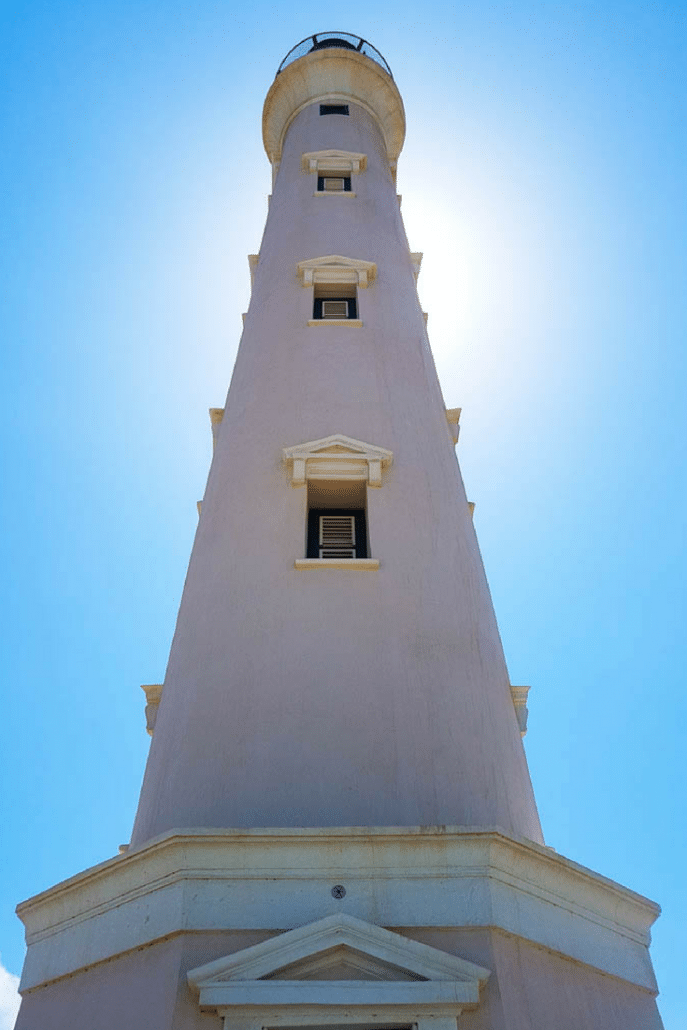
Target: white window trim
335	269
439	987
352	323
317	162
352	564
337	457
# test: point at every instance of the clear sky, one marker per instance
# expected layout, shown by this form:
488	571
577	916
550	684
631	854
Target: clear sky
543	177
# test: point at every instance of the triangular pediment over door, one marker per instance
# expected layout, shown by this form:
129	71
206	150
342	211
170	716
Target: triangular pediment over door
339	971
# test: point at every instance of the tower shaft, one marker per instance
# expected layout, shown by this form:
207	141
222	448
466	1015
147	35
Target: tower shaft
335	696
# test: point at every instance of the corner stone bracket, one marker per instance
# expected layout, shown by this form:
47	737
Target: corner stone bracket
453	419
153	692
337	457
216	416
519	695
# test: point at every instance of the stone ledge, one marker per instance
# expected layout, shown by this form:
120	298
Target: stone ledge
275	879
352	323
351	564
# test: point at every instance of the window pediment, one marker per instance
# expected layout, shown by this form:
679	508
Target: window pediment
333	268
341	967
337	457
319	161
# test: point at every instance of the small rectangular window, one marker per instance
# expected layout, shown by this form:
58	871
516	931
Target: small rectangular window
333	108
333	183
337	533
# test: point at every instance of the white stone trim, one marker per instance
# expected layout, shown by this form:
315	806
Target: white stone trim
300	945
519	695
337	457
333	268
409	977
453	419
351	323
153	692
272	879
318	161
351	564
216	416
334	193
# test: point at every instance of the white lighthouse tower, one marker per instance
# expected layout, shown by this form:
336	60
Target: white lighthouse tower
336	826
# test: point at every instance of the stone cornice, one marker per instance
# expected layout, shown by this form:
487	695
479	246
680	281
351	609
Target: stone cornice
475	877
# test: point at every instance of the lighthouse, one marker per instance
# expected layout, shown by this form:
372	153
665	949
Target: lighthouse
336	826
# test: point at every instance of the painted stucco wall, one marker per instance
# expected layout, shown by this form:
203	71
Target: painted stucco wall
335	697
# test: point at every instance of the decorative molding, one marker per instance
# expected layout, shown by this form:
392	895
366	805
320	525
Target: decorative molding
453	418
351	564
319	161
253	260
216	416
416	259
199	505
404	877
333	268
471	506
337	457
425	315
519	695
352	323
341	965
334	193
153	692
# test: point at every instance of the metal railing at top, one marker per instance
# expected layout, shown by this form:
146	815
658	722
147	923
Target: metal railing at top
345	40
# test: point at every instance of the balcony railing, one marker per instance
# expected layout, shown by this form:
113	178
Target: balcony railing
345	40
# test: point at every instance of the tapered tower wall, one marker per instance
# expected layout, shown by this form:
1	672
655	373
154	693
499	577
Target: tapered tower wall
335	697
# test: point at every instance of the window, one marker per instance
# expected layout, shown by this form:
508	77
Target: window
334	170
333	108
336	533
335	281
337	527
335	301
337	473
334	183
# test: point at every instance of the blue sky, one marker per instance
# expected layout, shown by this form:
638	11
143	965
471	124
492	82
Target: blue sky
543	177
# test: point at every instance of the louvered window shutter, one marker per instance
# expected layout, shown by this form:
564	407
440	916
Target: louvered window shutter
337	533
